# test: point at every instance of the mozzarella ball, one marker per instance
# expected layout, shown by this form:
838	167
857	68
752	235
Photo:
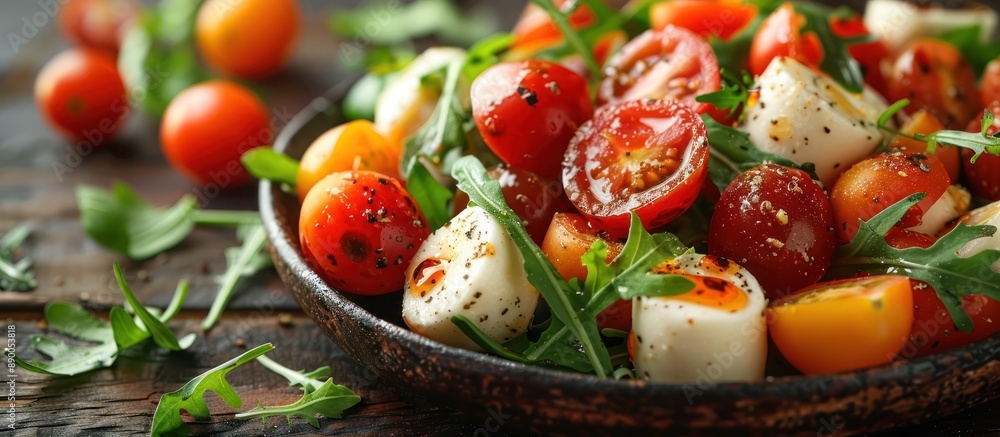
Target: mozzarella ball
953	204
987	215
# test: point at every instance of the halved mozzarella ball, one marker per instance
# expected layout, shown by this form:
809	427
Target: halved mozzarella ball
470	267
953	204
806	116
987	215
407	103
716	332
898	22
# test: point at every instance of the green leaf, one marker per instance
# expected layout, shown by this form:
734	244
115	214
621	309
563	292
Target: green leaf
265	163
734	93
484	341
359	103
236	270
443	132
307	381
431	196
180	294
733	153
570	35
16	275
329	400
127	333
484	54
191	397
978	142
968	40
397	23
733	53
837	62
939	265
68	359
162	335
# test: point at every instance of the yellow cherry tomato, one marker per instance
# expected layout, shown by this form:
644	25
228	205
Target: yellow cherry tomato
348	147
247	38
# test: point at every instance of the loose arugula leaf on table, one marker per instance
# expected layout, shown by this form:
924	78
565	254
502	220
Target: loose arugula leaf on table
432	197
122	222
329	400
969	41
265	163
191	397
399	23
443	134
16	274
837	62
307	381
734	93
246	262
978	142
733	153
111	338
939	265
161	334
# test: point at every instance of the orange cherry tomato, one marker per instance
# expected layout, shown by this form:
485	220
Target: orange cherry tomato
843	325
718	18
535	29
80	93
922	122
208	127
247	38
351	146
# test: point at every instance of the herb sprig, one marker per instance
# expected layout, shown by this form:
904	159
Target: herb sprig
241	262
979	142
734	93
837	62
16	274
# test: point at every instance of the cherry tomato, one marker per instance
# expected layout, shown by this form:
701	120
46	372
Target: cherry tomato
989	89
713	18
249	39
528	111
569	237
208	126
359	230
80	94
668	64
650	157
98	24
535	29
870	55
351	146
843	325
781	35
923	122
773	216
533	199
984	175
935	76
933	328
878	182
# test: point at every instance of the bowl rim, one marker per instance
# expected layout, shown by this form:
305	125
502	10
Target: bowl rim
778	387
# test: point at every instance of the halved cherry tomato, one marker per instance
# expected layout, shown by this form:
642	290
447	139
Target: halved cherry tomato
876	183
80	93
775	216
843	325
533	199
935	76
781	35
933	328
247	38
668	64
528	111
707	18
351	146
359	230
922	122
984	175
570	237
650	157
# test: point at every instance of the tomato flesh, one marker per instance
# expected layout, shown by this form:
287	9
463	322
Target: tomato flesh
650	157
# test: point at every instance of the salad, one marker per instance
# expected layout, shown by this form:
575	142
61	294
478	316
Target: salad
659	191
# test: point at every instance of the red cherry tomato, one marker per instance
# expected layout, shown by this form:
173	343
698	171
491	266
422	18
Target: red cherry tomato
935	76
80	93
781	35
668	64
984	175
774	216
711	18
869	55
876	183
933	328
528	111
208	127
359	230
650	157
533	199
98	24
989	89
535	29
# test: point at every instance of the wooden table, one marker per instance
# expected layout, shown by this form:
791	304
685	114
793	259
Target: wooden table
72	268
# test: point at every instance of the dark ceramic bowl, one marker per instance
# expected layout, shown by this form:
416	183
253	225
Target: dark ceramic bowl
371	331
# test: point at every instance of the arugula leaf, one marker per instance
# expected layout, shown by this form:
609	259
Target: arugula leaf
981	142
969	41
939	265
837	62
158	58
431	196
246	260
329	400
191	397
572	38
734	93
483	54
733	153
443	133
307	381
265	163
399	23
122	222
162	335
16	275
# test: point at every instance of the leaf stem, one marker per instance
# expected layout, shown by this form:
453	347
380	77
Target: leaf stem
572	38
252	245
225	218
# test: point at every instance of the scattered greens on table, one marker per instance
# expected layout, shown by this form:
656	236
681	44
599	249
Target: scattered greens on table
16	271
